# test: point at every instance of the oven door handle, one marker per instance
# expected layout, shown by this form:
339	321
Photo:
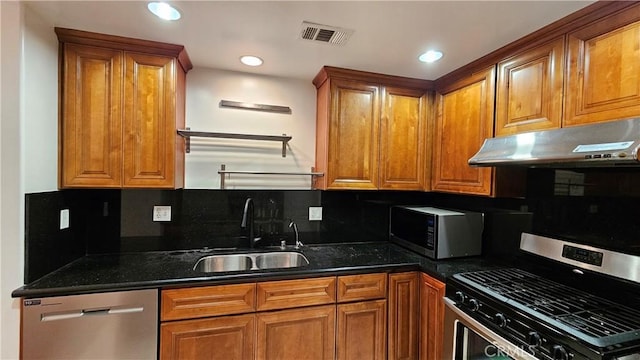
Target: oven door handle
514	351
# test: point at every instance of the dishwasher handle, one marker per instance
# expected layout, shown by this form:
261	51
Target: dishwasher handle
73	314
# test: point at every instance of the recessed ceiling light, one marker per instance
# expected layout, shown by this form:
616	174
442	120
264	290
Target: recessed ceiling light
251	60
163	11
430	56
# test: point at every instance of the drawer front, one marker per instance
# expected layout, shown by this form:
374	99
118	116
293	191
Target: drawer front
295	293
362	287
207	301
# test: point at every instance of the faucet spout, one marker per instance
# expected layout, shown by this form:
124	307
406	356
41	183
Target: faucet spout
248	222
293	225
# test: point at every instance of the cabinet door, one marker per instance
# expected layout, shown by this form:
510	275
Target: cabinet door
353	136
91	120
431	317
223	338
464	120
403	316
149	121
362	331
603	76
529	90
403	139
307	333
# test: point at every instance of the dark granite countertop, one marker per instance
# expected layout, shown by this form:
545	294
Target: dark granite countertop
129	271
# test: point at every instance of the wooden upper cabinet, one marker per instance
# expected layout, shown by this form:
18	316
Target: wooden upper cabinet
464	121
121	102
353	136
529	90
603	75
403	139
91	130
371	131
150	120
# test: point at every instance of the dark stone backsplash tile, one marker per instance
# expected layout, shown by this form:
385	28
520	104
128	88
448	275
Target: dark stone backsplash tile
119	221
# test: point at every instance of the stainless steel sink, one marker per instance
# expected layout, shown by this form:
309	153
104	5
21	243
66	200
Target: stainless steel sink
250	261
219	263
280	260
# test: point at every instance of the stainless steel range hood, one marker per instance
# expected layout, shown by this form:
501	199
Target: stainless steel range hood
612	143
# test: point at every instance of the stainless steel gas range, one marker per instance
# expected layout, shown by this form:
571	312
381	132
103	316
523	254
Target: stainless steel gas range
563	301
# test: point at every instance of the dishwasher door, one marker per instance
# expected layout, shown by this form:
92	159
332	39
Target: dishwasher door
114	325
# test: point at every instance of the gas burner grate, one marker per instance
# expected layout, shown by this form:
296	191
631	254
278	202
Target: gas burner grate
590	315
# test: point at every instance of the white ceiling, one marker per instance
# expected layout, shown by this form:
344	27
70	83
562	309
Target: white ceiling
388	37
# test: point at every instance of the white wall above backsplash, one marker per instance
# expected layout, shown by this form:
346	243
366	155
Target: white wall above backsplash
205	89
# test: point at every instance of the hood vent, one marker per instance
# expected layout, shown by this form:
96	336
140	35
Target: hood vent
324	33
612	143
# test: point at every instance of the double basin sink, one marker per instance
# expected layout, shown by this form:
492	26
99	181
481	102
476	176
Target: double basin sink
250	261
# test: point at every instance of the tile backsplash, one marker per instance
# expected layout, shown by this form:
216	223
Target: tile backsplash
111	221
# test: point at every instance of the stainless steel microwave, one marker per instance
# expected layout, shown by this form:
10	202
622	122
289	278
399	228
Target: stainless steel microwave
437	233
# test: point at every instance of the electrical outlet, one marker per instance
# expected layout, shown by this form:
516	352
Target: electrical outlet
315	213
162	213
64	219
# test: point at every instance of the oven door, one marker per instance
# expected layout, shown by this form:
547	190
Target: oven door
466	339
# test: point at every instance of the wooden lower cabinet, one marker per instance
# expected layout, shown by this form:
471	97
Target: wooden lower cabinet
431	317
362	330
307	333
351	317
403	316
223	338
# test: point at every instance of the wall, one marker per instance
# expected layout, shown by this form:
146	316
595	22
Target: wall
12	20
205	89
40	113
28	144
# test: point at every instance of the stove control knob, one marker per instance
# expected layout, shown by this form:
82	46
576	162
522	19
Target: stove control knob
534	339
500	320
559	353
459	297
474	305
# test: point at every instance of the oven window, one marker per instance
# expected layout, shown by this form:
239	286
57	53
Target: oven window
471	346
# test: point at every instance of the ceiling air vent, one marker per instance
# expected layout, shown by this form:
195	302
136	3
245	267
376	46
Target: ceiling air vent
324	33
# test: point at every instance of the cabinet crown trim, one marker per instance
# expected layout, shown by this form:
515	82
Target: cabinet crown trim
125	43
382	79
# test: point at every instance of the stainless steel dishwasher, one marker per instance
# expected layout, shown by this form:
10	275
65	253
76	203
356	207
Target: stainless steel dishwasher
114	325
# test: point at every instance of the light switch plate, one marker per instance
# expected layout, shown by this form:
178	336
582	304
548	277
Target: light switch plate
315	213
64	219
162	213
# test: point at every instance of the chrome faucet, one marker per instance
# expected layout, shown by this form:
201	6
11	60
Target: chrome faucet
248	222
293	225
